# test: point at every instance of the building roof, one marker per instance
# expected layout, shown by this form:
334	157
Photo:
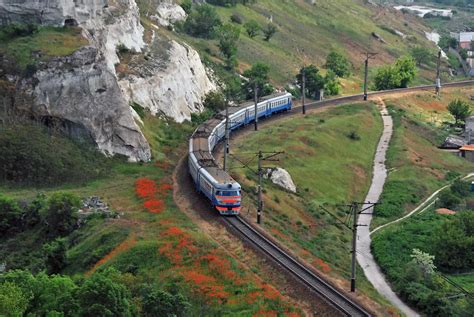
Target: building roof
467	148
466	36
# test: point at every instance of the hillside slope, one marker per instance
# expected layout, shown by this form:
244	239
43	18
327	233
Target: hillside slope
308	32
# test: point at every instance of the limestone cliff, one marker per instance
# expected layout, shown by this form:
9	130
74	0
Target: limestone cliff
83	89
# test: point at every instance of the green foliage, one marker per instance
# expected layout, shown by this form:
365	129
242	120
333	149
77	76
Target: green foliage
460	110
253	28
13	302
187	6
14	30
395	196
214	101
338	63
331	86
421	55
454	243
99	295
227	36
158	302
446	42
463	53
398	75
199	118
269	31
202	22
454	61
448	200
55	253
138	109
258	75
229	3
60	218
314	81
10	216
236	18
32	156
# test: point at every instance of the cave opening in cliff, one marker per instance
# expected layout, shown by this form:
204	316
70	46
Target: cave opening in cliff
70	23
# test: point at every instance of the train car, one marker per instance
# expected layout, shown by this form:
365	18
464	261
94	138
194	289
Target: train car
223	192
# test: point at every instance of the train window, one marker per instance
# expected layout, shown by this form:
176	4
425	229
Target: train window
227	193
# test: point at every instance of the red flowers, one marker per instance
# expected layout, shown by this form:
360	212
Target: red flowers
146	189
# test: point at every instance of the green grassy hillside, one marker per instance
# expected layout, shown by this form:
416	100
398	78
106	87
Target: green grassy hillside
307	33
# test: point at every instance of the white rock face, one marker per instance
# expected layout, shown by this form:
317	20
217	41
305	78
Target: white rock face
80	91
168	13
50	12
282	178
177	90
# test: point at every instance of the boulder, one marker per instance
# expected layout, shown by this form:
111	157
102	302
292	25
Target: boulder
168	13
282	178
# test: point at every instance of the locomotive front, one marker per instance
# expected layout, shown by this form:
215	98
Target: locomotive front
227	199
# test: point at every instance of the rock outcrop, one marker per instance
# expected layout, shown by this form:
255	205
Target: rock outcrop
282	178
80	91
168	13
174	87
83	89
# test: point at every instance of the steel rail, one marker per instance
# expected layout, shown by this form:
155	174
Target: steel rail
336	298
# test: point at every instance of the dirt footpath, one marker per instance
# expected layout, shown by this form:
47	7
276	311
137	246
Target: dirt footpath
364	255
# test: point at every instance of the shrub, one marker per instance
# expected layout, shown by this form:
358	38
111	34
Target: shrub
269	31
448	200
214	101
253	28
338	64
32	156
187	6
60	218
10	216
354	136
202	22
395	196
236	18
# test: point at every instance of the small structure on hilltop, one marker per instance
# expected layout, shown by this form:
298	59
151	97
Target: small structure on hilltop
469	130
467	151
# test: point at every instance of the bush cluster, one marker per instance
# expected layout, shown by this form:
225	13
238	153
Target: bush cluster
32	155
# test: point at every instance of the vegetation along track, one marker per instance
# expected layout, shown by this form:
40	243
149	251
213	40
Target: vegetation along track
336	298
314	282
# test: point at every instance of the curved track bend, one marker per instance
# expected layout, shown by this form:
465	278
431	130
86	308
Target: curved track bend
336	298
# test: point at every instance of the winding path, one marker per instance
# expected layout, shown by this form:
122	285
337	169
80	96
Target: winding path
364	255
420	207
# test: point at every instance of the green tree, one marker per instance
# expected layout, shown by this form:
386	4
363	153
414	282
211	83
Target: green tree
60	218
406	68
338	63
161	303
269	30
33	211
187	6
202	22
387	78
215	101
314	81
461	188
421	55
460	110
100	295
13	302
253	28
10	216
445	42
331	86
453	244
448	200
258	74
463	53
55	253
228	36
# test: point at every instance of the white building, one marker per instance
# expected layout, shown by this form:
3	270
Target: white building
421	11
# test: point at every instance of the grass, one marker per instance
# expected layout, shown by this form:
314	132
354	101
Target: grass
164	249
307	33
328	167
42	45
417	167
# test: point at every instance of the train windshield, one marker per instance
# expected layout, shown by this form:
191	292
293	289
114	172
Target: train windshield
227	193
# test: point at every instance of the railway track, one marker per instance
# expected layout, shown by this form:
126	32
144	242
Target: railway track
336	298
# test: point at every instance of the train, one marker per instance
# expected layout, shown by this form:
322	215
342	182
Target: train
223	192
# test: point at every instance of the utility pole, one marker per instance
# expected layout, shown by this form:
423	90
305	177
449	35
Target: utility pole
303	90
255	99
366	74
226	144
438	75
262	156
354	246
354	211
260	198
